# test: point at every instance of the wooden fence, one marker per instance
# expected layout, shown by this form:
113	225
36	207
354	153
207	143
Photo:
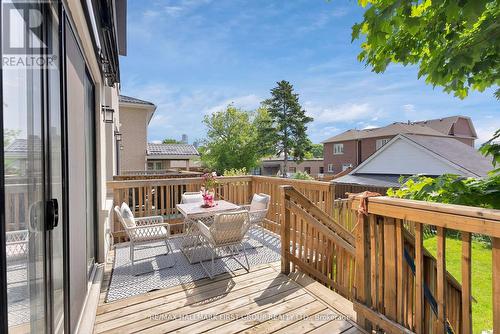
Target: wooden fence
393	296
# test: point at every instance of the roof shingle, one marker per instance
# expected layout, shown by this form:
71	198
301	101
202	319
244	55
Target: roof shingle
171	149
129	99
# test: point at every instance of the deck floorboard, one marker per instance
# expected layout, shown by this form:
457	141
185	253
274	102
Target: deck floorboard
261	301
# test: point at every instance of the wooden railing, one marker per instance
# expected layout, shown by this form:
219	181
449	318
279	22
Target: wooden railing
393	296
16	207
369	263
312	242
160	196
320	193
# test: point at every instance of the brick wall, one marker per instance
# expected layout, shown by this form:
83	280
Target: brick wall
349	156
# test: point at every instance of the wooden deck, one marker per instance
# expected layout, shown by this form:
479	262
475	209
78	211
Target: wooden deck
232	303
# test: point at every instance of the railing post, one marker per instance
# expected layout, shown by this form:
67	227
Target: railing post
285	230
363	272
330	199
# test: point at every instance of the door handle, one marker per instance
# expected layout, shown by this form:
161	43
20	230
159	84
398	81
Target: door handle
52	213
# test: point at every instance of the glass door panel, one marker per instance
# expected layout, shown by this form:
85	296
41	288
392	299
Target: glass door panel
24	179
55	164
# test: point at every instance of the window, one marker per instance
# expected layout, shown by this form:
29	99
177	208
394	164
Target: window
307	170
158	165
330	168
345	166
150	166
338	148
382	142
321	170
292	169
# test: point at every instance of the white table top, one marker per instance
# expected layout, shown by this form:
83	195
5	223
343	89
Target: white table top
196	209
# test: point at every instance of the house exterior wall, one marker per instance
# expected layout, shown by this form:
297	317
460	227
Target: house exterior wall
369	146
462	128
337	160
134	123
272	167
405	158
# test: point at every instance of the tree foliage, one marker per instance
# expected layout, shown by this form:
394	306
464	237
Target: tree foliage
452	189
289	123
492	148
317	150
454	43
232	139
171	141
302	176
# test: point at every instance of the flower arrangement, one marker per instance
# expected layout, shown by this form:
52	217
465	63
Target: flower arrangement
208	189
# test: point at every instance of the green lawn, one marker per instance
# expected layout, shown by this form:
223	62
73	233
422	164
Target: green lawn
482	313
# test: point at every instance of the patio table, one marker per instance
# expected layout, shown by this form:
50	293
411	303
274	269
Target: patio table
193	212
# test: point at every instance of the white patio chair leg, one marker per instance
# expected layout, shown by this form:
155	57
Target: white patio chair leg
212	263
247	268
132	252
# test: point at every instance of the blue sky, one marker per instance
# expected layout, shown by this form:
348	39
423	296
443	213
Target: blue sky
193	57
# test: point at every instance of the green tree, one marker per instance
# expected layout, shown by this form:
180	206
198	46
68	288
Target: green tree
454	43
171	141
233	139
317	150
288	136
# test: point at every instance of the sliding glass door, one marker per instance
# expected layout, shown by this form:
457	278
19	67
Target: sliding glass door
32	166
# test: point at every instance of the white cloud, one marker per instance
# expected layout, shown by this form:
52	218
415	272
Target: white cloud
246	102
346	112
370	126
485	131
409	108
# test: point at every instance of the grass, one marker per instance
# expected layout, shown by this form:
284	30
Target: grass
482	311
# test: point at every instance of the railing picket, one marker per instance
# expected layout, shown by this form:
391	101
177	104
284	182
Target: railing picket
400	292
419	279
373	259
390	268
441	279
466	284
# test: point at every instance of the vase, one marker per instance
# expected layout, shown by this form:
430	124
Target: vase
209	199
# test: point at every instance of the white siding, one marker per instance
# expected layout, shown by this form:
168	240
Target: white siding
402	157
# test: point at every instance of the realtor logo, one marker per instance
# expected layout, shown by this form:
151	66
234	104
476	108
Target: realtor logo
25	35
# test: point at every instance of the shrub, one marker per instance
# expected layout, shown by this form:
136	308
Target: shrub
302	176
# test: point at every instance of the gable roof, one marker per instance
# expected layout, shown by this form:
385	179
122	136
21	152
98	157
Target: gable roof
444	125
21	146
448	150
389	130
171	150
133	100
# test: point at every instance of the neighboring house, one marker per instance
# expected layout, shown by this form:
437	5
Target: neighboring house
55	200
274	166
171	156
352	147
407	155
135	115
17	156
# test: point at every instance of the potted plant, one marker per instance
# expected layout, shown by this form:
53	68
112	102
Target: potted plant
208	189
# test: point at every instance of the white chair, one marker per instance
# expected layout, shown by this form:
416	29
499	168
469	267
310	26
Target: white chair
143	230
227	231
258	209
186	198
191	197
